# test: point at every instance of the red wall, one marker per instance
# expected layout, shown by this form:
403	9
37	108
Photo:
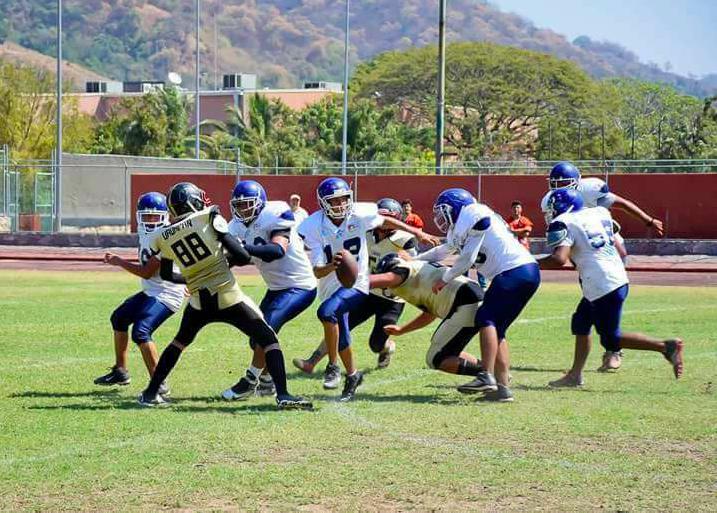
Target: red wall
685	202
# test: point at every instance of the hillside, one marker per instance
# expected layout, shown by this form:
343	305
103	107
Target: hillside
73	73
285	41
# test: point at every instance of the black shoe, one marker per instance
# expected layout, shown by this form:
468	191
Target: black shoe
152	402
350	386
484	382
117	376
502	395
243	389
290	402
265	387
332	376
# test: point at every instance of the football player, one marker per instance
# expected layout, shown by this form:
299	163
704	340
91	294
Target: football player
268	231
195	242
483	240
595	192
149	308
342	225
382	305
585	237
457	304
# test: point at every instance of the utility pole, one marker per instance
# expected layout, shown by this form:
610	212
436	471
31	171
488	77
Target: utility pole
58	123
345	128
441	100
196	90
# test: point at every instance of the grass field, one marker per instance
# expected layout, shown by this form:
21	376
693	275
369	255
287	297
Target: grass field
636	440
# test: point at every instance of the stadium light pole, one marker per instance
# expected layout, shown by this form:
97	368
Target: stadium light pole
441	100
58	124
196	90
345	127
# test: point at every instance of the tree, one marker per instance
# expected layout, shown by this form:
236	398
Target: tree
28	110
496	96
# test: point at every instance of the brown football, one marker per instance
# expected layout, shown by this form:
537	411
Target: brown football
347	271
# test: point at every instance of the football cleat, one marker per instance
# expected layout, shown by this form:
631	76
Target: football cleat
484	382
290	402
157	401
265	387
243	389
610	361
673	354
117	376
164	390
384	357
568	381
501	395
350	385
332	376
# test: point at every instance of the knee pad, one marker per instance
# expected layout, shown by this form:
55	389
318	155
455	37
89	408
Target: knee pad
433	360
141	333
118	323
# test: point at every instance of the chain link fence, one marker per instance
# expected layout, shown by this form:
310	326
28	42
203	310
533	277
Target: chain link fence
27	195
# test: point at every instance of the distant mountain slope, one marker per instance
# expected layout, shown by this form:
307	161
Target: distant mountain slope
74	73
286	41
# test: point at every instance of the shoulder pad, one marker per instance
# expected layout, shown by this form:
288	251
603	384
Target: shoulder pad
287	215
220	224
482	224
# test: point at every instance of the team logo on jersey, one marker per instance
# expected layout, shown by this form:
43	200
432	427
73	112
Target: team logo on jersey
352	227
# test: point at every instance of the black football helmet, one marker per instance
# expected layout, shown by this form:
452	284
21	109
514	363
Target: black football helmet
388	263
185	198
389	207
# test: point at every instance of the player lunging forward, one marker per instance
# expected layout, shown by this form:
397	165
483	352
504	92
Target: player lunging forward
596	193
457	304
584	235
196	241
148	309
385	307
342	225
269	233
483	240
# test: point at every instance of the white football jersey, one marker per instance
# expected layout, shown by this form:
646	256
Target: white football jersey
589	234
595	193
500	250
291	270
324	239
168	293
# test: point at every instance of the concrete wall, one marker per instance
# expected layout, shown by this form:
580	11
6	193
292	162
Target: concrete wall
96	188
686	202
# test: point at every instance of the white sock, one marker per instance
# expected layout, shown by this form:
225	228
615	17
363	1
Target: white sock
256	372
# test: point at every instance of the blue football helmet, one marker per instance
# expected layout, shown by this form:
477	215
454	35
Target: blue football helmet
564	175
448	206
332	188
152	204
248	200
562	201
389	207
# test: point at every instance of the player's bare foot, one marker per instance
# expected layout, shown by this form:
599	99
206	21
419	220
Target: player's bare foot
673	353
568	381
304	366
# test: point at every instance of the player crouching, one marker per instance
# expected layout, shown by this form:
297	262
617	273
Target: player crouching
148	309
457	304
585	237
195	242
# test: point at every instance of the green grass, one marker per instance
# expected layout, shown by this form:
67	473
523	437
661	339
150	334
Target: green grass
631	441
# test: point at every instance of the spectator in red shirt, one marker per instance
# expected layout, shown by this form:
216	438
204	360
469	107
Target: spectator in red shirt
520	225
409	217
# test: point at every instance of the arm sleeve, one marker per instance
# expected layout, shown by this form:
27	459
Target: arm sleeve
266	252
166	272
410	247
237	254
436	254
469	254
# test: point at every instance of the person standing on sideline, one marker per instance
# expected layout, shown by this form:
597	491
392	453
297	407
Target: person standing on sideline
299	212
409	217
520	225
